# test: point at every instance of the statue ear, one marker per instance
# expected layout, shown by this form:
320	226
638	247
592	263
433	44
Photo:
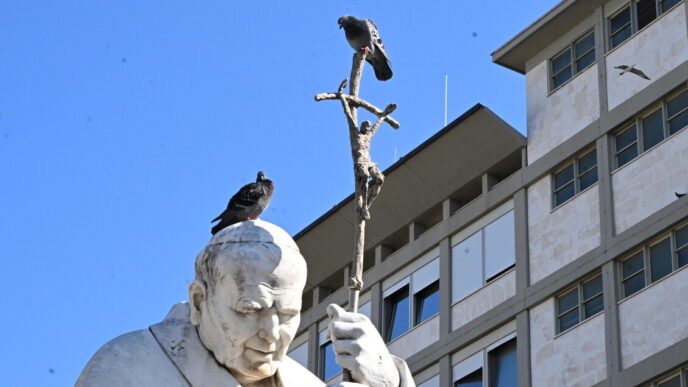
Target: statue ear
197	296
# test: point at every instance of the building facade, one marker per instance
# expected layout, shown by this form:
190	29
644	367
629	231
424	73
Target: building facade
553	260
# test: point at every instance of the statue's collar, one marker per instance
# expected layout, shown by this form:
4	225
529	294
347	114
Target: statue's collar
179	339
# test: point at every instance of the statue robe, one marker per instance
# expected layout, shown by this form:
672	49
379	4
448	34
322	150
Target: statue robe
171	354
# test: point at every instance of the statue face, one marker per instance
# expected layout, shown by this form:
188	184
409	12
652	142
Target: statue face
251	315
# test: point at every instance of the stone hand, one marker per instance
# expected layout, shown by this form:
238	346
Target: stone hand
359	348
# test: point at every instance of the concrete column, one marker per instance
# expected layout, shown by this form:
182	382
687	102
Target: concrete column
611	322
449	207
600	44
313	348
445	288
381	252
488	182
446	371
521	230
415	230
604	170
523	348
319	294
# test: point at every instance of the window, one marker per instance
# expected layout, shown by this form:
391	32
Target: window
427	303
494	366
412	301
572	60
502	361
396	314
646	131
575	177
634	17
654	261
474	379
328	366
676	378
580	303
483	256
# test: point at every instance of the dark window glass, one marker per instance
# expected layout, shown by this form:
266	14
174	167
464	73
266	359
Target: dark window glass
682	246
633	264
568	301
646	11
682	237
568	320
563	177
397	314
677	112
561	78
628	137
633	271
660	260
673	382
653	130
626	145
474	379
564	194
328	365
593	306
584	51
634	284
561	61
587	170
567	309
626	156
665	5
592	288
620	27
592	297
682	257
427	302
502	361
561	68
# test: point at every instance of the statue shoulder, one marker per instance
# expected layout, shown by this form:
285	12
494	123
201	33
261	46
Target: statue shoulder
132	359
294	374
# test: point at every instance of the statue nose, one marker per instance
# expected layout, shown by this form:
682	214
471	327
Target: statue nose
269	327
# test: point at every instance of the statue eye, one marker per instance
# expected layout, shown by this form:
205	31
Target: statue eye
247	307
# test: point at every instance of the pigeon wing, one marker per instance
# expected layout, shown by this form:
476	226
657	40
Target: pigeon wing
639	73
378	59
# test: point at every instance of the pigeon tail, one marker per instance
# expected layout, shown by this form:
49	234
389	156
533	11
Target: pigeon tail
680	195
382	70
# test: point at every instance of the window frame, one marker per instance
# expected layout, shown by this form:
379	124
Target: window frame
647	262
484	279
576	176
633	20
578	286
419	298
394	299
636	121
322	360
571	48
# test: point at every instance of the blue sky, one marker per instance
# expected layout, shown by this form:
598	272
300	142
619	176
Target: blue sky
125	126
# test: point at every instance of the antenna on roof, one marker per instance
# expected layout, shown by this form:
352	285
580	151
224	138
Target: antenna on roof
446	87
395	153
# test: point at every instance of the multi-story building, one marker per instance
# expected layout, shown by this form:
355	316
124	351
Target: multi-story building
552	260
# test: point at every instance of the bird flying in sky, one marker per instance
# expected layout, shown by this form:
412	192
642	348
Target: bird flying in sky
247	204
362	35
631	69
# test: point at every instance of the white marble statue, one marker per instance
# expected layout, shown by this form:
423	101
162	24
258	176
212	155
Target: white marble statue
242	314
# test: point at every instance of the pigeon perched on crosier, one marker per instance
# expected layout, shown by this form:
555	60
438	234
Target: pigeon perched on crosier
362	35
247	204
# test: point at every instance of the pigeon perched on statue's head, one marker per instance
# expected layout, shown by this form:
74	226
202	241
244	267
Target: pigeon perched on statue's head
247	204
362	35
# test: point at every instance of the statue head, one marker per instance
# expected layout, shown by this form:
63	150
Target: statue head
246	298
